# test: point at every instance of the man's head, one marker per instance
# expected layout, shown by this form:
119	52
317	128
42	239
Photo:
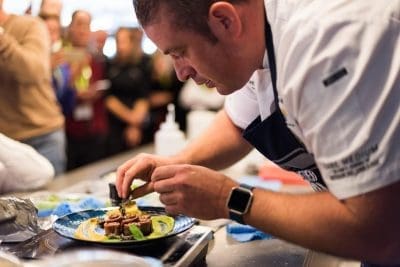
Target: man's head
128	42
217	43
99	38
79	29
187	14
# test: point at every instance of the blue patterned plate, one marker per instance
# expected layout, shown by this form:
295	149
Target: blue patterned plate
67	225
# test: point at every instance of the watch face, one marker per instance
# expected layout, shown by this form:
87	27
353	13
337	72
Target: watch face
239	199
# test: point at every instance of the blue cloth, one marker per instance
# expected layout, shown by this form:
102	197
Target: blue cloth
245	233
65	207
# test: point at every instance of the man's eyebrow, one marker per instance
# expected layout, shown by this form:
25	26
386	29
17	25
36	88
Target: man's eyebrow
172	49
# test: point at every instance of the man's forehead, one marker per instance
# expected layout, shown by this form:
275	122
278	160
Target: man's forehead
167	38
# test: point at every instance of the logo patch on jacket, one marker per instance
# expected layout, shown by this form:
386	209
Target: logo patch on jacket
335	77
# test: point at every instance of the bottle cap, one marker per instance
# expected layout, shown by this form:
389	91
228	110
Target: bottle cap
170	123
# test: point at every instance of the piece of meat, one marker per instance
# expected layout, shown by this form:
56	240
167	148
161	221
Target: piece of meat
112	228
128	220
145	225
114	218
126	230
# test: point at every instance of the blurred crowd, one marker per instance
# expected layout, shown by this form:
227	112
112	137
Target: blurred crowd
61	95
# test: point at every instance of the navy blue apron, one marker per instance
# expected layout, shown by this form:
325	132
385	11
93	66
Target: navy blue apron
274	139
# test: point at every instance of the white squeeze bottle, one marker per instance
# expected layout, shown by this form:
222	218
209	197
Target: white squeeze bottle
169	139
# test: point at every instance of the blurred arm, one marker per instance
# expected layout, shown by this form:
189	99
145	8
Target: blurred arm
134	116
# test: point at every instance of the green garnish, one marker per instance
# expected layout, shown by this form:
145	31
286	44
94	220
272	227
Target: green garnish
162	225
136	233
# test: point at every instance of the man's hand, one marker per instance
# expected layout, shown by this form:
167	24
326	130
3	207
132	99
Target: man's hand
133	136
192	190
140	167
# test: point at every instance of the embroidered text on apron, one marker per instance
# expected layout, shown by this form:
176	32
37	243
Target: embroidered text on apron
274	139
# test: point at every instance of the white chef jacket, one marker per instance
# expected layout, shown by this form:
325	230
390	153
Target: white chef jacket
338	68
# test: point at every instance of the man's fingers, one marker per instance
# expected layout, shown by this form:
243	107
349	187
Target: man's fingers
165	172
164	186
168	199
172	209
121	174
142	170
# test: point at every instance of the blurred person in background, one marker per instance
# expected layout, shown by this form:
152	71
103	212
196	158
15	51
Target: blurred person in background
37	170
51	7
87	125
29	111
127	99
99	39
165	89
60	69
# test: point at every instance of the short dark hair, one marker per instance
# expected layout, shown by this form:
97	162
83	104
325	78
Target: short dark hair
76	13
189	14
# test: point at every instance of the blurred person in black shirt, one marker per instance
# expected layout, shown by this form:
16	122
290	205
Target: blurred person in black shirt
165	89
127	99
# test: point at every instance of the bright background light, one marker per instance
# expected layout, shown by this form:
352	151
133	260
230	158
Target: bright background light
107	15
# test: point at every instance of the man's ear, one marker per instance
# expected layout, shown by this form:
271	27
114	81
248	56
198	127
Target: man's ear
224	20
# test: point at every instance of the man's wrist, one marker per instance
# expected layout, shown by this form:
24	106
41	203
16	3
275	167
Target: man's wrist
239	202
180	158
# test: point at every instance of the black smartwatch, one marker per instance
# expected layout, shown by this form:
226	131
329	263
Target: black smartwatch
239	202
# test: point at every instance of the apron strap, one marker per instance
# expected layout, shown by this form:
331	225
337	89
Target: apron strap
269	42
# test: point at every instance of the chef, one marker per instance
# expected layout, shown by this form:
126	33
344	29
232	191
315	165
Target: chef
314	86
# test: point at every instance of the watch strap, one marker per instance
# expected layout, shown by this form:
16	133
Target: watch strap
237	216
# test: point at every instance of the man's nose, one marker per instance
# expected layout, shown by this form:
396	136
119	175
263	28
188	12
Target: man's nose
183	71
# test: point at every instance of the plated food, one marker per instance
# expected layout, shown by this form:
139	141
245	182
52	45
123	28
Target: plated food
129	226
125	223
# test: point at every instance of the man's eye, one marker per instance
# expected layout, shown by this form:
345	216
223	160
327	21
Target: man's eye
178	54
174	56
